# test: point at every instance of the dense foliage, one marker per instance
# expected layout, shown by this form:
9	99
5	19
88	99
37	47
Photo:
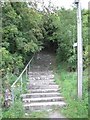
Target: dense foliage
26	30
21	36
21	32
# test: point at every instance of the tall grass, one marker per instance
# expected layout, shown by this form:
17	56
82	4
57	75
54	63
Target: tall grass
15	111
68	83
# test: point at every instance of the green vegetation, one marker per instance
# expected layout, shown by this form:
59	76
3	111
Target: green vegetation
0	113
68	83
20	37
27	30
15	111
12	111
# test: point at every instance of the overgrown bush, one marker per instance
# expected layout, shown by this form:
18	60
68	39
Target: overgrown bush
15	111
10	63
72	63
86	57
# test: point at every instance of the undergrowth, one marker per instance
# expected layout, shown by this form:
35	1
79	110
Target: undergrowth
68	83
15	111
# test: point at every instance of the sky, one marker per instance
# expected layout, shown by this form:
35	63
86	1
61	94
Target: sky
67	3
59	3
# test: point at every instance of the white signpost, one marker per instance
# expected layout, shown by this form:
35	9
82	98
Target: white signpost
75	45
79	48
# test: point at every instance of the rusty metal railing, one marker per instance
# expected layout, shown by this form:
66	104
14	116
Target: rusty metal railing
20	79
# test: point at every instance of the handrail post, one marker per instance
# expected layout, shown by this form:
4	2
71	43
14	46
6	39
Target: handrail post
26	73
20	78
12	92
29	67
21	83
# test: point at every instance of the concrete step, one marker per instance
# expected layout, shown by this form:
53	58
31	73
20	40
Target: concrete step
43	105
40	72
43	90
43	86
41	80
37	95
41	83
41	77
44	99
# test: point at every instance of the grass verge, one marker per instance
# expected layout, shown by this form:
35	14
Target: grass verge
68	83
15	111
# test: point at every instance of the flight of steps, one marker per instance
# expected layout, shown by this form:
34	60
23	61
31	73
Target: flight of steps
43	93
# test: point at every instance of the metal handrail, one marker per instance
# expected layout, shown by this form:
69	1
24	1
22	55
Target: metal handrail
20	78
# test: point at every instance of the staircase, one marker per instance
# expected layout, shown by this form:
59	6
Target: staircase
43	93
